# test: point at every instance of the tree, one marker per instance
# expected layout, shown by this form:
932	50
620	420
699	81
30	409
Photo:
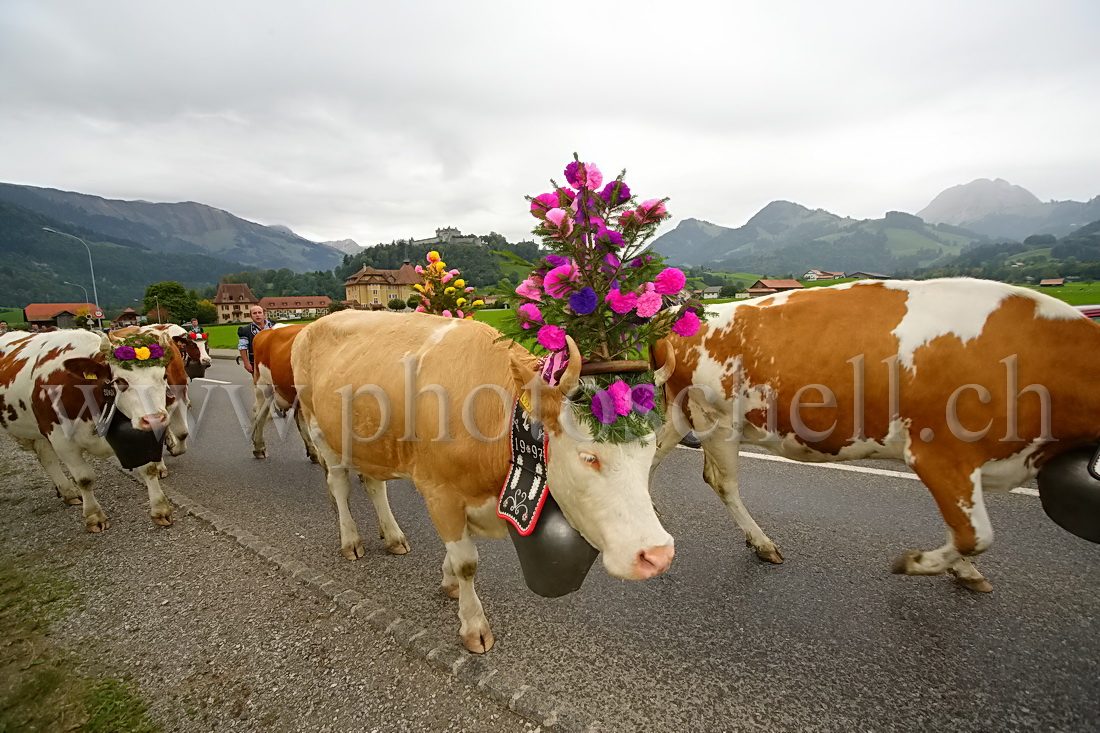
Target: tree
729	290
207	311
173	298
396	304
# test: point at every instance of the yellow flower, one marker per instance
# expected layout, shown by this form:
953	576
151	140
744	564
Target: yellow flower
142	353
460	283
460	301
469	318
419	287
440	264
479	302
433	256
448	290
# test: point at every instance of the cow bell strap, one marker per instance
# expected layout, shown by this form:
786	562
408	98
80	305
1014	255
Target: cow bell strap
1094	464
107	414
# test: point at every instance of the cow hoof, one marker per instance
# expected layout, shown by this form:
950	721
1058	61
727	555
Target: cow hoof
478	642
162	473
978	585
96	525
74	500
768	554
399	547
451	591
259	454
352	550
165	521
904	562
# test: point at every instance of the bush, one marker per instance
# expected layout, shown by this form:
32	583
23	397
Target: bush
396	304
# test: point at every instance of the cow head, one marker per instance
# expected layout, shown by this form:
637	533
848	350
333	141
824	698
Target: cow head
139	383
601	487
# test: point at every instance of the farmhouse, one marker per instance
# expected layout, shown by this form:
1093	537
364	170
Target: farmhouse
814	275
61	315
770	287
296	306
233	301
371	286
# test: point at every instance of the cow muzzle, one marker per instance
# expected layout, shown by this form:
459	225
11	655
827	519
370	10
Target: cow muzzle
653	561
156	421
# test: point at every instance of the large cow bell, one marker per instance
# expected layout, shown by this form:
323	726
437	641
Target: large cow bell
133	447
555	558
195	370
1070	493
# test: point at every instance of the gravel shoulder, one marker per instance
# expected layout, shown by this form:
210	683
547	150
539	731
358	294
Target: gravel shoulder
213	636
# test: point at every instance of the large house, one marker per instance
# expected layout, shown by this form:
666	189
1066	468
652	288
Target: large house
372	287
814	275
61	315
448	235
233	301
296	306
770	287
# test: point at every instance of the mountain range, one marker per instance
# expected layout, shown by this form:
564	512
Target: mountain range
179	228
786	237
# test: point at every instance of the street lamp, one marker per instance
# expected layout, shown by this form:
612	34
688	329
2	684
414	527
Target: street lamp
66	282
91	267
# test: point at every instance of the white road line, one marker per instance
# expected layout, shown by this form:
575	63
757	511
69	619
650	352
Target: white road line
207	379
853	469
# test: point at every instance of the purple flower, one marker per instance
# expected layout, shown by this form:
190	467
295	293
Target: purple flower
156	351
556	260
603	407
609	236
583	175
584	301
640	261
552	338
125	353
613	197
642	397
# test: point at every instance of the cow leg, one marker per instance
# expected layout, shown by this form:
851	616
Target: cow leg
959	497
311	450
459	568
339	488
160	511
50	461
72	456
720	469
178	429
388	528
261	411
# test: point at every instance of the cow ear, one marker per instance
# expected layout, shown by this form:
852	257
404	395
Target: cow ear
543	401
663	359
88	369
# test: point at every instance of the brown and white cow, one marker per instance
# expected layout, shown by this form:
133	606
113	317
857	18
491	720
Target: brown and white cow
425	398
273	380
972	383
49	384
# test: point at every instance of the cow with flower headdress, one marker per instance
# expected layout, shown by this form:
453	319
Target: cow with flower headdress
69	392
439	401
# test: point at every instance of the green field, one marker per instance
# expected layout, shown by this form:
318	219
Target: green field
1073	293
11	315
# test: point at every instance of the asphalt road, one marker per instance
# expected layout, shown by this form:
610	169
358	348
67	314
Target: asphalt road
828	641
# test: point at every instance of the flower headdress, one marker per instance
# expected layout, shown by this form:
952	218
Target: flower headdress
600	286
138	350
444	292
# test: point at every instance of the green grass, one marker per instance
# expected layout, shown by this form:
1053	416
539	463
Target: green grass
11	315
1073	293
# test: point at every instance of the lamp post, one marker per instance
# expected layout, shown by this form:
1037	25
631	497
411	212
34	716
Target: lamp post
66	282
91	267
157	298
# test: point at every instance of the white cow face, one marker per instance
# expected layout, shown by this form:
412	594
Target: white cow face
602	488
141	393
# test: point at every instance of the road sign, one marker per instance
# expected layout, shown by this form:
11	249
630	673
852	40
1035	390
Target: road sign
97	314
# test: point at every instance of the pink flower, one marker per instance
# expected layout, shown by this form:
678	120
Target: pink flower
446	314
543	203
446	277
628	218
531	313
419	270
552	338
419	309
649	302
559	281
469	288
528	289
621	303
620	397
583	175
670	281
687	325
652	210
560	220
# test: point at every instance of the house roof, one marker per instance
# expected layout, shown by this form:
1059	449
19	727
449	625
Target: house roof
296	301
868	275
48	311
1053	281
405	275
778	284
234	293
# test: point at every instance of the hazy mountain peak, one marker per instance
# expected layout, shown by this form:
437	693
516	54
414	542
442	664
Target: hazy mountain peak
970	202
347	246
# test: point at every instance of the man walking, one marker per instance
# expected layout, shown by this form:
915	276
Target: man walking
247	332
195	327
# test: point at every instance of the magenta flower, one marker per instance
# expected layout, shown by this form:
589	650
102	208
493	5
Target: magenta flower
557	260
652	210
584	301
560	220
642	397
670	281
419	309
620	397
559	281
609	237
621	303
629	218
687	325
615	197
552	338
583	175
530	315
649	302
543	203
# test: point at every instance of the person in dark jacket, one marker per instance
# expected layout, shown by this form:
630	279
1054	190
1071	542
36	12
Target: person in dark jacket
247	332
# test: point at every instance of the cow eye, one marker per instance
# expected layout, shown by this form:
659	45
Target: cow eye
121	384
590	459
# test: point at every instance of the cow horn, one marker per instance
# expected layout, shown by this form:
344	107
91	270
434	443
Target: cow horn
572	375
664	353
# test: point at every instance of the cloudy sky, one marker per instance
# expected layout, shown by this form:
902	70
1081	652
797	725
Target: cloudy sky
383	120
